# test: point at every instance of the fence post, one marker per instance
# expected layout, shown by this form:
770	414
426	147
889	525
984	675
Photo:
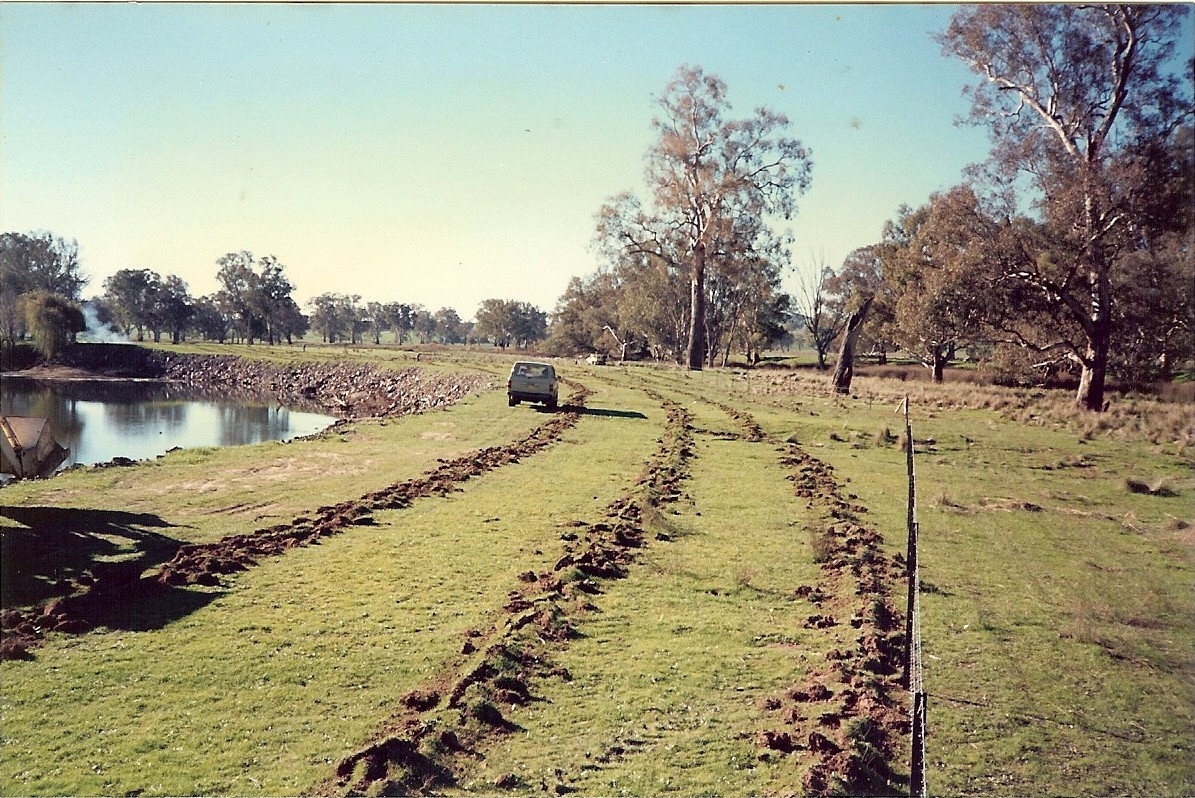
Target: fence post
911	553
913	675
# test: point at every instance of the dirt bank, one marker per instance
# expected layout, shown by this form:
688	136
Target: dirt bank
346	390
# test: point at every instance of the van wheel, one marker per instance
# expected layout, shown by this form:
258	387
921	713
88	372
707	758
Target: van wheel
551	404
510	400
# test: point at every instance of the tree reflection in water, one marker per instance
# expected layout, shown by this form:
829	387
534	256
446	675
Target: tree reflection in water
98	421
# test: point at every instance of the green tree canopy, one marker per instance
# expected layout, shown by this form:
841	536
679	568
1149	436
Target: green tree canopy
1075	98
507	322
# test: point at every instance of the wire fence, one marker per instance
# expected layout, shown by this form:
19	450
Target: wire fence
914	675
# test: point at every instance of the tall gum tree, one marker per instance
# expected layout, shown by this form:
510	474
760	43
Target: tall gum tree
1065	90
710	179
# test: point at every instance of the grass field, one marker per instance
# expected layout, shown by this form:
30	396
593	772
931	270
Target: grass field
470	643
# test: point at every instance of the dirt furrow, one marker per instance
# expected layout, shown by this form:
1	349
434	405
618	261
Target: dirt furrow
443	725
849	715
203	564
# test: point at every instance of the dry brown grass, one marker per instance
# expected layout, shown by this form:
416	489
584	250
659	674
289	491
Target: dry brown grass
1129	417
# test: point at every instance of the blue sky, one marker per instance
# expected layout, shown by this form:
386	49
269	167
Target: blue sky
439	154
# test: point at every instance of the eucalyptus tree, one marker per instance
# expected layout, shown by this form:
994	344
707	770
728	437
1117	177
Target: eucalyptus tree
336	316
580	317
712	181
507	322
655	303
289	322
209	321
496	321
324	317
257	293
133	298
375	320
930	265
175	308
1069	92
425	325
859	279
272	299
401	319
238	283
449	326
143	299
531	324
744	297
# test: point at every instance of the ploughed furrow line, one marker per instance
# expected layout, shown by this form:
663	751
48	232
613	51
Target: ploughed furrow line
849	715
120	583
751	431
444	725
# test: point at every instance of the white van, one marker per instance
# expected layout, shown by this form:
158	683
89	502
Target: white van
532	382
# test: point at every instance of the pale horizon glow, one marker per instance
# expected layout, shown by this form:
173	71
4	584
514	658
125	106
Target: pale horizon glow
438	154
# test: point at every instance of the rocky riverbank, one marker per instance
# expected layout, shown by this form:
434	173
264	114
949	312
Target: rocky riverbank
343	389
347	390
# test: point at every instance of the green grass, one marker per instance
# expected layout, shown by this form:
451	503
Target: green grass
1059	609
201	495
1058	619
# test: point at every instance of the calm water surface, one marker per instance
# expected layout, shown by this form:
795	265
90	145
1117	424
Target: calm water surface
98	421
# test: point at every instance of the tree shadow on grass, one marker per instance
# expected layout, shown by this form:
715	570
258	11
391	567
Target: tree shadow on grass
138	606
55	545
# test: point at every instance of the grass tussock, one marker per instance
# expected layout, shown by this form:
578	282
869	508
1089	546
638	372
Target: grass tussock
885	439
944	502
821	541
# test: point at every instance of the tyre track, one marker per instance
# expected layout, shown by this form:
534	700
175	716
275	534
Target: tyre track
444	724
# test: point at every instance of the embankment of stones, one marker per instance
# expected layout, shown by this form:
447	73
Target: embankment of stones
344	389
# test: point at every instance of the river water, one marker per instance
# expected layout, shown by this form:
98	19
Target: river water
99	421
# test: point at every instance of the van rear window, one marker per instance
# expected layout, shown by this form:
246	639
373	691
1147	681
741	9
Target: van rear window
527	370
